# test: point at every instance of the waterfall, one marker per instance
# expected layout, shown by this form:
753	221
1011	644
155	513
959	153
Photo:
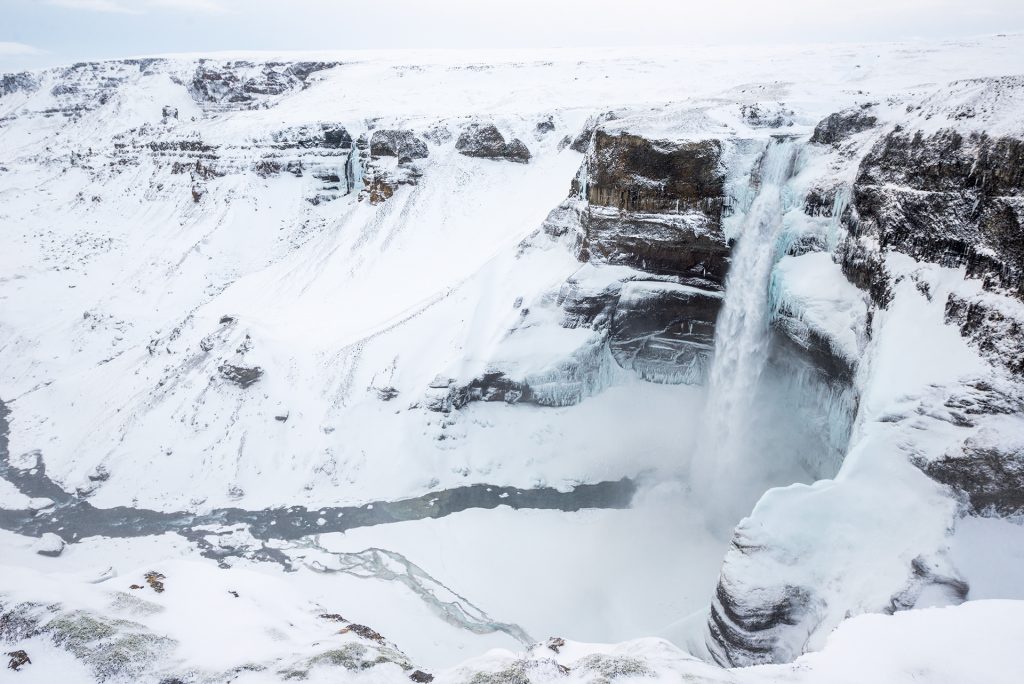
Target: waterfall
742	336
353	170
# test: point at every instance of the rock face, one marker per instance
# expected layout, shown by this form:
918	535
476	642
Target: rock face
656	206
632	173
397	143
486	141
947	198
644	218
994	328
664	331
955	198
992	479
388	161
837	127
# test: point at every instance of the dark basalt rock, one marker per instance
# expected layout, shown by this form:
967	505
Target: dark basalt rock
688	246
581	143
240	375
397	143
822	201
991	479
486	141
947	199
664	332
656	206
836	127
744	629
632	173
517	151
545	126
864	267
365	632
496	386
997	335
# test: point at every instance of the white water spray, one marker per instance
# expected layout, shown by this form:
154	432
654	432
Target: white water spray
742	335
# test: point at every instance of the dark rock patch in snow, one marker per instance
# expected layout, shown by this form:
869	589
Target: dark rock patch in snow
397	143
240	375
992	479
839	126
486	142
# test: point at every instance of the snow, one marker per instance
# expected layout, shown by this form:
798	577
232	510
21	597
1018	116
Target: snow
274	623
973	642
812	289
49	545
11	498
553	569
121	296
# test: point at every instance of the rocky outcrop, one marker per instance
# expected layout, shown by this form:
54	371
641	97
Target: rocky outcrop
663	331
745	628
486	142
632	173
397	143
837	127
242	376
947	198
679	245
20	82
245	85
994	327
763	115
656	206
992	479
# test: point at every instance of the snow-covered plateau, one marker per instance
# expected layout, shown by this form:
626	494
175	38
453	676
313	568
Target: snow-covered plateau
515	367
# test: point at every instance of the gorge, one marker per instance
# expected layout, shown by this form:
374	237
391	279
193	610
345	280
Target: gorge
552	365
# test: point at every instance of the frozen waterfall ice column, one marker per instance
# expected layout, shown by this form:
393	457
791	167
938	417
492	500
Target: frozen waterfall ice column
742	335
353	170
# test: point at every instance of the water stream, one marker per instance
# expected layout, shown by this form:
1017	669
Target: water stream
742	338
284	535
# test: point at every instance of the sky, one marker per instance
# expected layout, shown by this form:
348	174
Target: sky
38	33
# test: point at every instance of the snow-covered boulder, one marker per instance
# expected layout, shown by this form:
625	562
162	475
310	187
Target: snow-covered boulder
49	545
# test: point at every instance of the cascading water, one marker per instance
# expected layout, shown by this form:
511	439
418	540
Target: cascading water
742	337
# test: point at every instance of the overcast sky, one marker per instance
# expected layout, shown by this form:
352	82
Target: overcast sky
37	33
